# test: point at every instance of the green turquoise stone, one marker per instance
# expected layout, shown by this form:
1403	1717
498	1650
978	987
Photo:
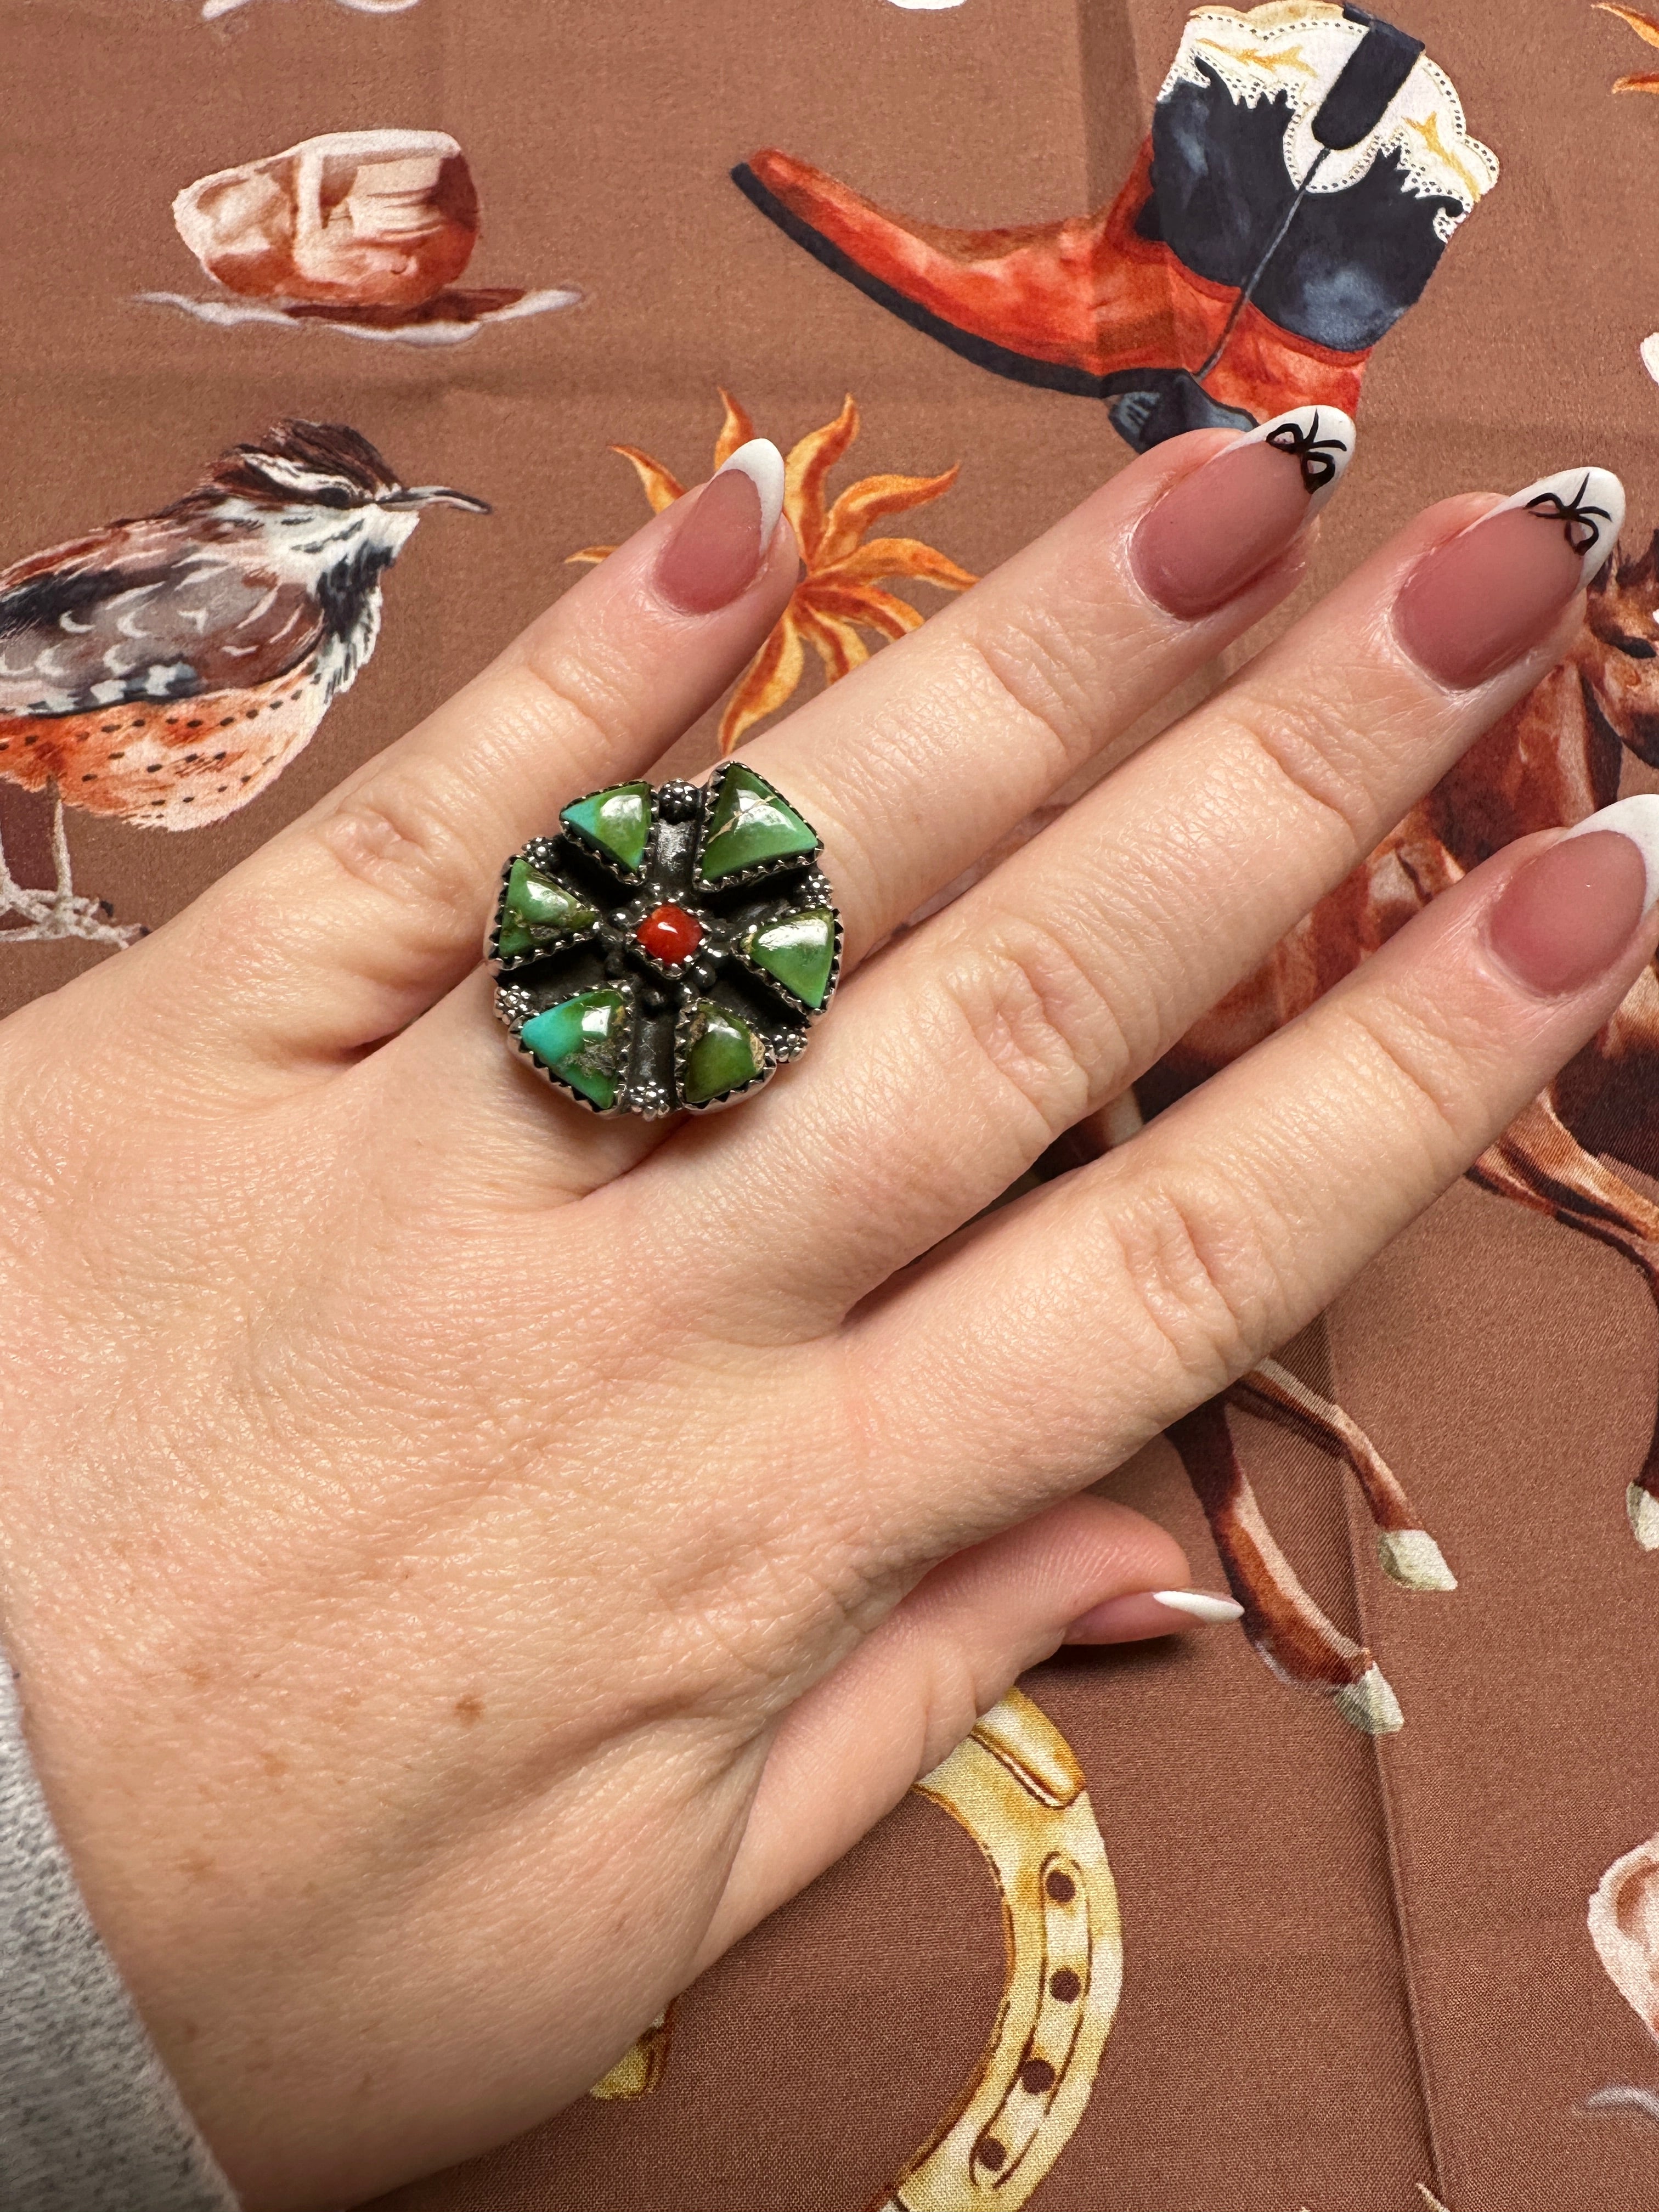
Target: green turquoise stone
799	950
538	910
583	1040
721	1053
617	821
751	822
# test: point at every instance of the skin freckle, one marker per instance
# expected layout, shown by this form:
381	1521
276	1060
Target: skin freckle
469	1708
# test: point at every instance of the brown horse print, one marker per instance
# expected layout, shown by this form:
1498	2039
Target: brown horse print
1551	761
1624	1926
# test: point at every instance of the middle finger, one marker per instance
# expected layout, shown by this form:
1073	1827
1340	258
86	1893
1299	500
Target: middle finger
929	756
1047	989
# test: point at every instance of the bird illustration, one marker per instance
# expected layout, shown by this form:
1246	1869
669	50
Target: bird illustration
167	669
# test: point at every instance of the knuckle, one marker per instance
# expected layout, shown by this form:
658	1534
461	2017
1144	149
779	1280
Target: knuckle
1196	1262
398	833
1038	671
1038	1020
1417	1067
581	700
1308	745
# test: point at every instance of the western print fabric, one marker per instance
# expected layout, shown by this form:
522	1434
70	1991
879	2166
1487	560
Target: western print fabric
1373	1926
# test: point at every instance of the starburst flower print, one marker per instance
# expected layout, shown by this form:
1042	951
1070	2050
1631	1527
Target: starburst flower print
841	595
1644	28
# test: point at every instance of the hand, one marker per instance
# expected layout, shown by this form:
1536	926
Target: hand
467	1562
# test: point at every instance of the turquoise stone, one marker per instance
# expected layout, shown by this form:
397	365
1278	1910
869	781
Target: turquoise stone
583	1040
617	821
751	822
799	950
537	910
721	1053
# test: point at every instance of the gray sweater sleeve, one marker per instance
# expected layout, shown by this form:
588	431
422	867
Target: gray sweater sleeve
89	2121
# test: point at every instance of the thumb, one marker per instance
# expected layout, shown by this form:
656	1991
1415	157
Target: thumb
847	1751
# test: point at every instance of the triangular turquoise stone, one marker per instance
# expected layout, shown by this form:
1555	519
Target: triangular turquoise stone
751	822
721	1053
617	821
535	910
584	1040
799	949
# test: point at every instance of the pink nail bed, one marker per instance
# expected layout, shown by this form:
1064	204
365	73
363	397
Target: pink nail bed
1217	529
1491	594
1142	1613
721	536
1565	917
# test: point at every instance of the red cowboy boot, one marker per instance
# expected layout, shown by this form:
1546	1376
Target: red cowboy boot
1059	304
1302	175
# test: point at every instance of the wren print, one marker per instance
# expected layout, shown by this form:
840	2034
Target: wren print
364	232
166	670
1307	166
840	592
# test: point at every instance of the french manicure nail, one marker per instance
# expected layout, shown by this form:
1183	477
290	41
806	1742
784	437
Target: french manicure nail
1150	1612
1478	601
1565	917
722	536
1215	530
1202	1605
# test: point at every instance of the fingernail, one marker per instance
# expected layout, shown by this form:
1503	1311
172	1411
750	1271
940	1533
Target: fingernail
722	536
1150	1612
1563	918
1216	529
1478	601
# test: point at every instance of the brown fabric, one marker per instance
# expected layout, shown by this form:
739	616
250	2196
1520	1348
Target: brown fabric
1352	1966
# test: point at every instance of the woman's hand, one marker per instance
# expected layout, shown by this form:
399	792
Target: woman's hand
467	1562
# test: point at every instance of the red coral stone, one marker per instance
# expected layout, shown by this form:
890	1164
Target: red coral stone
670	933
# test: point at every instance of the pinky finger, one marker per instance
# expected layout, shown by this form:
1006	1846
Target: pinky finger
1108	1304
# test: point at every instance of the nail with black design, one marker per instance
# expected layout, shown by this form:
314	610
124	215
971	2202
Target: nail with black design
1217	530
1486	597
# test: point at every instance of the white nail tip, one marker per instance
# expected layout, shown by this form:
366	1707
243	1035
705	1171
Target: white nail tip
1199	1604
1320	438
1588	503
763	463
1637	818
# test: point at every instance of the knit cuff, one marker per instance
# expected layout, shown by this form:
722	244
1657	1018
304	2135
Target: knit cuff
89	2119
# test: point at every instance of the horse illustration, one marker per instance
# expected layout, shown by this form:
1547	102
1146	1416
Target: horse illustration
1552	760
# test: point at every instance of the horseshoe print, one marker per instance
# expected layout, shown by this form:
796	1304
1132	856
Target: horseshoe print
639	2070
1015	1785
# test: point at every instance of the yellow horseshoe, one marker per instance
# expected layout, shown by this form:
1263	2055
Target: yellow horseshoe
1017	1790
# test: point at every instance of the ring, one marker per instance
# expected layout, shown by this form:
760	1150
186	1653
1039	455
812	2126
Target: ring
668	948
